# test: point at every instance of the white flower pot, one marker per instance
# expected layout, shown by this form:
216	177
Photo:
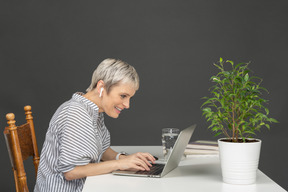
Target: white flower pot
239	161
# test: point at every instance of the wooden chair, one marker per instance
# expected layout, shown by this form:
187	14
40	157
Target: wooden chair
21	144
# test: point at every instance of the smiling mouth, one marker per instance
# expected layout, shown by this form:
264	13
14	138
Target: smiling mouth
118	109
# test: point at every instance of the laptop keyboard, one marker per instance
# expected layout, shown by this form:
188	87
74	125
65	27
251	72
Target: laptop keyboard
156	169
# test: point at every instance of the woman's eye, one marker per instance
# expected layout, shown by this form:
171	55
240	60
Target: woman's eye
123	96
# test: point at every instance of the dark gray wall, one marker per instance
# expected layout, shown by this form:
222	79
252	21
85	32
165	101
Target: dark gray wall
49	49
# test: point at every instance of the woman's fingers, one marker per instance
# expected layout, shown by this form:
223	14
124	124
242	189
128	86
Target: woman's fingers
150	157
139	161
146	157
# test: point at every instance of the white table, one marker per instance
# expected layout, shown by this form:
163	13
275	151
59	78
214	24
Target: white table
199	174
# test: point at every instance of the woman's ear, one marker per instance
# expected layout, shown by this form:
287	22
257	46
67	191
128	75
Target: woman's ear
100	88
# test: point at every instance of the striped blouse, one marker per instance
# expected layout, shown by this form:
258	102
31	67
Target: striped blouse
76	135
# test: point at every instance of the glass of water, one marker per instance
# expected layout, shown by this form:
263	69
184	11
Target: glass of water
169	137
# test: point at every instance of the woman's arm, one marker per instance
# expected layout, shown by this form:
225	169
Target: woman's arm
91	169
109	154
136	161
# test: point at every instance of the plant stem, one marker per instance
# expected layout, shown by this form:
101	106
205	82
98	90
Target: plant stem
225	133
233	124
233	113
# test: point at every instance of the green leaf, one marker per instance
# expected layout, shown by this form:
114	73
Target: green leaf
215	79
231	62
215	129
218	66
209	101
267	111
262	88
207	109
273	120
216	94
246	77
250	132
240	64
219	133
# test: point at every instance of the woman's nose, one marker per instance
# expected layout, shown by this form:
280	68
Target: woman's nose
127	103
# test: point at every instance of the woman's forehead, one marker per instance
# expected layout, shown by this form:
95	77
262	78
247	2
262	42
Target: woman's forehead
128	88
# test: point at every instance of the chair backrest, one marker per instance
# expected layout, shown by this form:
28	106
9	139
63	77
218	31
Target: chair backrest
21	144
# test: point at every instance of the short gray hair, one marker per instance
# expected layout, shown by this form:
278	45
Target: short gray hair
112	72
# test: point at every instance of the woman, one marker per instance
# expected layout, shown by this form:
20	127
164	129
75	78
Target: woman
77	142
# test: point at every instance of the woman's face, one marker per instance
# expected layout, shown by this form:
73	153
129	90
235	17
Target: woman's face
117	99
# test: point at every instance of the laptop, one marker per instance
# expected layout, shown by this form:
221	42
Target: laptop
160	169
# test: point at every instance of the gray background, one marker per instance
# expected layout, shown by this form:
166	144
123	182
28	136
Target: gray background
49	49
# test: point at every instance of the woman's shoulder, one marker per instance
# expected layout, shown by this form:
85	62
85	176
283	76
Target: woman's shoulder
69	109
75	108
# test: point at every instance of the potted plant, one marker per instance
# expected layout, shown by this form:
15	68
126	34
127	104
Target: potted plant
236	110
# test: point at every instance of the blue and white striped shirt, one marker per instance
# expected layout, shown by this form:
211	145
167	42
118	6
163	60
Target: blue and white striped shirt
76	135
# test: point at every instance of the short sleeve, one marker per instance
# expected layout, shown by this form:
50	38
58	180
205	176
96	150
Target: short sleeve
79	144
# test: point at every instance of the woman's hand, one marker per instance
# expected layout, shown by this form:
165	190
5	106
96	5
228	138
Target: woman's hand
136	161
